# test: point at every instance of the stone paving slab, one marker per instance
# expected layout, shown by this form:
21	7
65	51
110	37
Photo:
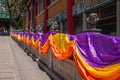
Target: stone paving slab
15	64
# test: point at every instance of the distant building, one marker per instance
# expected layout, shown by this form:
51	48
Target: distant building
72	14
4	17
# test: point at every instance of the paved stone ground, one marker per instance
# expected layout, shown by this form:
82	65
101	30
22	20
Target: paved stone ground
15	64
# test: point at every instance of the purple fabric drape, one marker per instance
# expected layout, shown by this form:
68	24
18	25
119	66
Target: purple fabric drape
36	36
44	37
97	49
71	37
29	35
25	34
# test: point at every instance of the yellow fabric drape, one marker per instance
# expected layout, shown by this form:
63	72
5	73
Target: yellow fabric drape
44	49
29	41
111	72
35	45
61	46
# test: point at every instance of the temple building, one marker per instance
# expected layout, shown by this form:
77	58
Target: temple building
71	15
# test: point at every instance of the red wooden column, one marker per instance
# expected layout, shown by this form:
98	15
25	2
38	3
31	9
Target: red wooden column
46	2
29	15
70	21
29	19
35	14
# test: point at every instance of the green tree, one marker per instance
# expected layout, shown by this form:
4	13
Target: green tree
13	7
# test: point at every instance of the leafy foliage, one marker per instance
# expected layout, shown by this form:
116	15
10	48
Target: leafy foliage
13	7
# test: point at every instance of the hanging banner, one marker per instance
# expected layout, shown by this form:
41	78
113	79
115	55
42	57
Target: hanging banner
92	4
96	56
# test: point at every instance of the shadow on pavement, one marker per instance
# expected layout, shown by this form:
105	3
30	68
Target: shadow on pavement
4	34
